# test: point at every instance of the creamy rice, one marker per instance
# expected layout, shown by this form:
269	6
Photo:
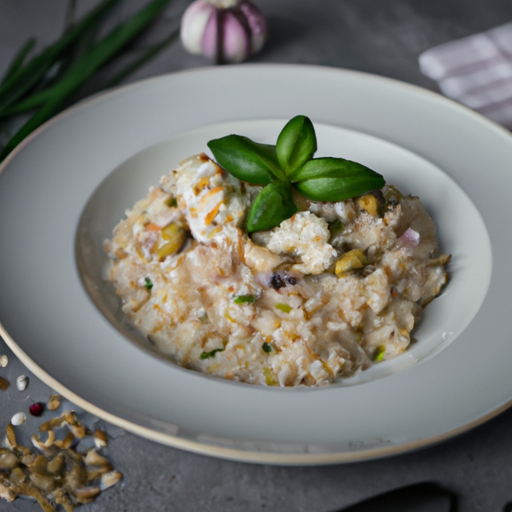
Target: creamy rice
331	291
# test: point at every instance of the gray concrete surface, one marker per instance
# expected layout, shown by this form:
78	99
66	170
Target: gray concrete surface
383	37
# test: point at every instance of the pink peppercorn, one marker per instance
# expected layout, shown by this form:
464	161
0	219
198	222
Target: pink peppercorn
36	409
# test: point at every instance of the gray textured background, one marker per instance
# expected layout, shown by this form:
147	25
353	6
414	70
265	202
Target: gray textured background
378	36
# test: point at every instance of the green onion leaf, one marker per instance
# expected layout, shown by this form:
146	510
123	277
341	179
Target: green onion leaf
296	144
81	70
271	206
142	59
285	308
245	159
19	59
148	284
335	179
29	75
244	299
47	111
207	355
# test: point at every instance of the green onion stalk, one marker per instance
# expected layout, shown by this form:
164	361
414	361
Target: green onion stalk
28	86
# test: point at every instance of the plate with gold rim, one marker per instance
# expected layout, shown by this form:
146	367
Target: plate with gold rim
64	188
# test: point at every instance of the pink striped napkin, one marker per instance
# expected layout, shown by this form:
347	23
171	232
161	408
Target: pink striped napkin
476	71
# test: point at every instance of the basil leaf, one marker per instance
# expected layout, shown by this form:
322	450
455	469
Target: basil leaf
296	144
271	206
330	167
336	189
245	159
335	179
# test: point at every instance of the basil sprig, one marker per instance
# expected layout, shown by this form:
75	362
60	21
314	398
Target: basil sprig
290	165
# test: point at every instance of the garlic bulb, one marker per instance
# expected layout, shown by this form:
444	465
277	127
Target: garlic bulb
227	30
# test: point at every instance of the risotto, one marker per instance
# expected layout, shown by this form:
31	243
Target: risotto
330	291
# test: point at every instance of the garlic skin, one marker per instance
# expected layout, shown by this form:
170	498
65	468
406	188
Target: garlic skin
226	30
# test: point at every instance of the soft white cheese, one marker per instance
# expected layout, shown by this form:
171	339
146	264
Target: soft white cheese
304	235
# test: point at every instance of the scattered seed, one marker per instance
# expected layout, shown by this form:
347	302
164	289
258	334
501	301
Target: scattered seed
42	475
66	442
4	361
93	458
38	443
4	384
100	439
36	409
22	382
18	419
10	437
110	479
54	402
8	459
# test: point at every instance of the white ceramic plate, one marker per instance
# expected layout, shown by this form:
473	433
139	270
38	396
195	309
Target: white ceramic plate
62	191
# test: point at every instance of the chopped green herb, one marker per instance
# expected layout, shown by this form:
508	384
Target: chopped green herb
285	308
267	347
335	228
171	202
244	299
148	284
207	355
378	355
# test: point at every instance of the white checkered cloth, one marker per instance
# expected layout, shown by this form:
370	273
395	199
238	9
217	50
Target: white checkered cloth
476	71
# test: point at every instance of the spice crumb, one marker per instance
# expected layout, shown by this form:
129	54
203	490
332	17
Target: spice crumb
4	384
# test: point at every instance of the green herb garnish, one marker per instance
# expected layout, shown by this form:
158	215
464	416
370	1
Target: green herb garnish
378	355
244	299
207	355
147	283
289	166
267	347
285	308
